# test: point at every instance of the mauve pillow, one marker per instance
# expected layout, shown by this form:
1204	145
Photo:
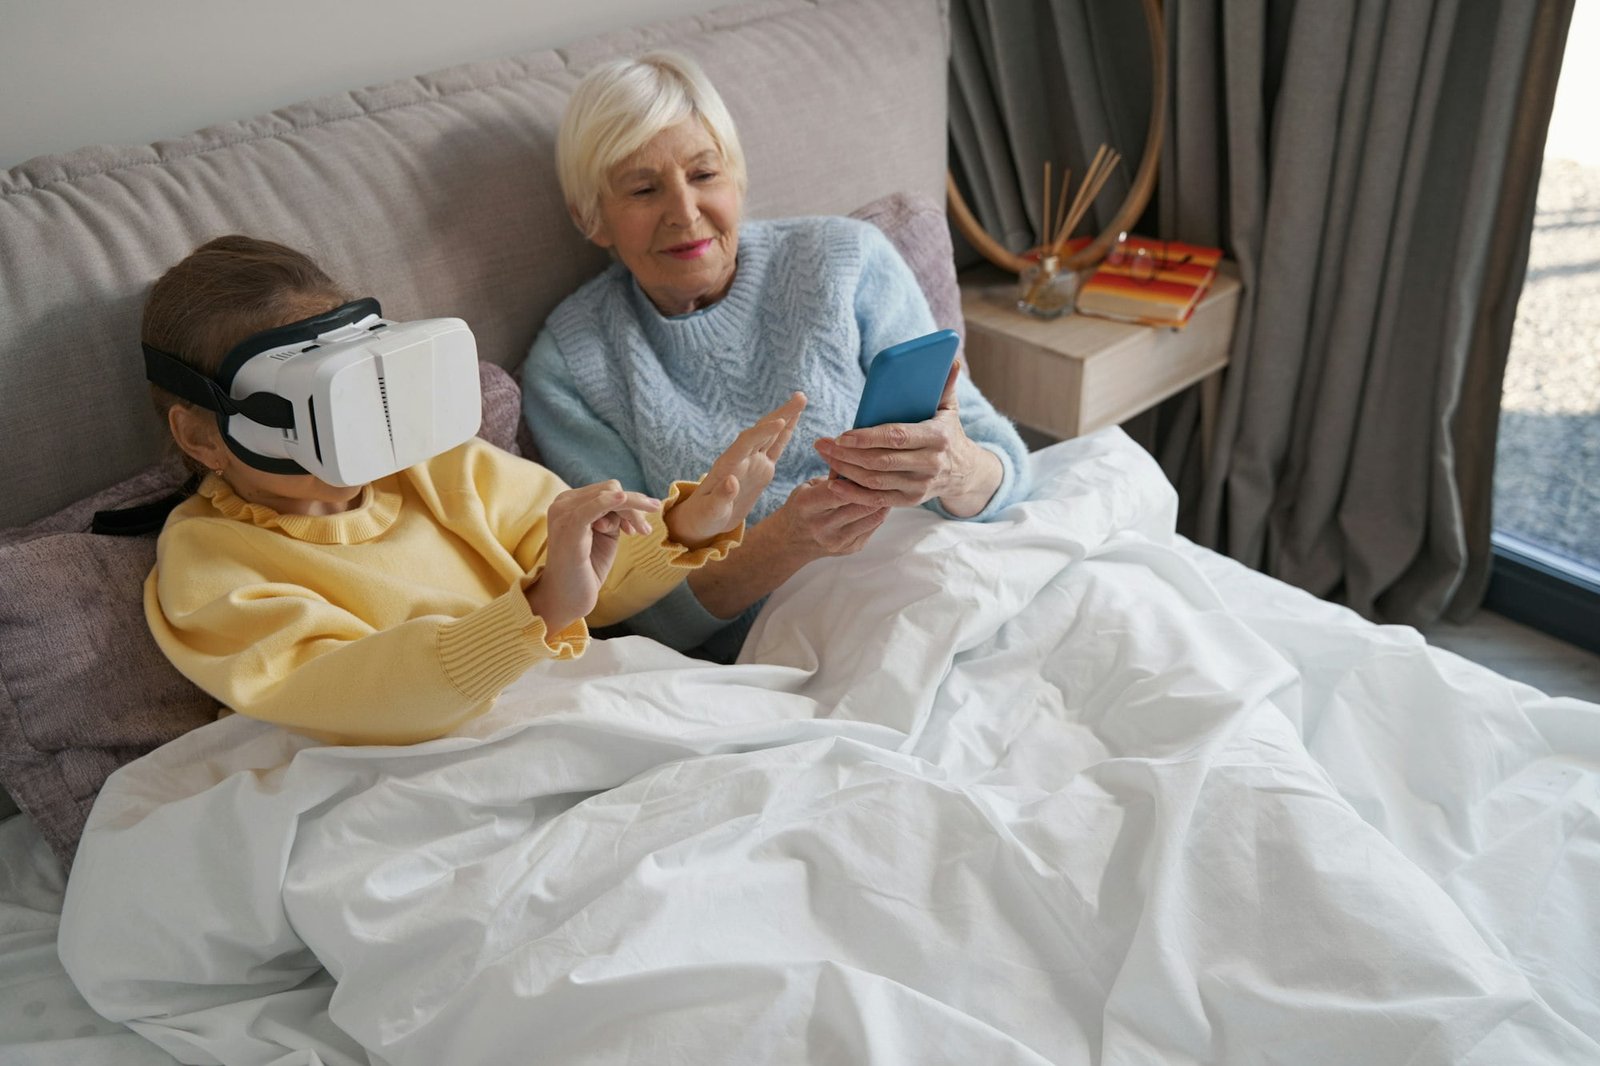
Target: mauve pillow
917	228
502	409
83	686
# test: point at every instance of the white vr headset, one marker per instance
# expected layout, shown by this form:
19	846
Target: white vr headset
346	396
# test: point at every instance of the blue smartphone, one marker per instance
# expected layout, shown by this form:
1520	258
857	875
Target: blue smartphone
905	381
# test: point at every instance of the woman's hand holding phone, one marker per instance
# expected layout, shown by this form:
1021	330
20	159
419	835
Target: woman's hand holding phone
905	464
815	523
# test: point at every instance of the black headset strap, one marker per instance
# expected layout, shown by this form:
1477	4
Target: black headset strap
268	463
185	382
143	518
264	408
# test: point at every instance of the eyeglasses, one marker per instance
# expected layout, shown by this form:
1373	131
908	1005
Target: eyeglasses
1143	260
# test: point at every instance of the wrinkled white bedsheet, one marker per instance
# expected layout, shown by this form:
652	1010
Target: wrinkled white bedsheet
43	1019
1058	788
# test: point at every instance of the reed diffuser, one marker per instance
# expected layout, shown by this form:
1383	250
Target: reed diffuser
1047	290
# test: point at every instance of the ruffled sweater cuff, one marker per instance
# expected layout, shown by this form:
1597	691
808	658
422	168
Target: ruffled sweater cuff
658	559
694	559
486	650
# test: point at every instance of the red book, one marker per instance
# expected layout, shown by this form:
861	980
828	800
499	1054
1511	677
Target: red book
1151	282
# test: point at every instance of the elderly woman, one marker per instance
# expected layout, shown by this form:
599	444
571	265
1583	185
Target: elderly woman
707	320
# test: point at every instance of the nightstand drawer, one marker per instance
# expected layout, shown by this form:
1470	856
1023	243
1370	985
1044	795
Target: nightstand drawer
1076	374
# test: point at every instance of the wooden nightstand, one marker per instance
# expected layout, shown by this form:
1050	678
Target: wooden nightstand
1076	374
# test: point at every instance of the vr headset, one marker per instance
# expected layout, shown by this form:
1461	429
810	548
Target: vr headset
346	396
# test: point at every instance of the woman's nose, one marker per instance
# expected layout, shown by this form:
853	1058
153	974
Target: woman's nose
682	207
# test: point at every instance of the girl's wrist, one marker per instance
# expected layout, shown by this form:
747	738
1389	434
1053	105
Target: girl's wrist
694	519
685	526
552	614
681	527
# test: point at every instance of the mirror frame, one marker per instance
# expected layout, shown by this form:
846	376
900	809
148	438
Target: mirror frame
1139	191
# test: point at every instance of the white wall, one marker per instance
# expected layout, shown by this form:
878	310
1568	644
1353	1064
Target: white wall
1574	131
78	72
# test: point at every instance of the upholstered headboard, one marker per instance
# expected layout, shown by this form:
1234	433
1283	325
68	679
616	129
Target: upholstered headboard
436	193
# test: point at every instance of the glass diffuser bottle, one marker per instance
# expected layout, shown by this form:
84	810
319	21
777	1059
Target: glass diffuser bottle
1046	289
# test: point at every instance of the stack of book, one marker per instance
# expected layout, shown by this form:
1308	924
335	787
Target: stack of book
1151	282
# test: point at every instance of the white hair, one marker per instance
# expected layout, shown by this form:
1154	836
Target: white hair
618	108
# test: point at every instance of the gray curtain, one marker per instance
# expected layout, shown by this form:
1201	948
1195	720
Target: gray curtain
1371	166
1032	82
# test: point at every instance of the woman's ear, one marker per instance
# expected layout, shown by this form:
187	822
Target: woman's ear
595	234
195	431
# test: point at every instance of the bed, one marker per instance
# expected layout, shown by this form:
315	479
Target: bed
1061	787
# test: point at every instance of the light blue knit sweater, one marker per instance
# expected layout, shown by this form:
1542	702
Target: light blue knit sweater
614	389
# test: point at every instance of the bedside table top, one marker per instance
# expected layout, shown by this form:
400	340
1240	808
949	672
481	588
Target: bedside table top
989	299
1077	373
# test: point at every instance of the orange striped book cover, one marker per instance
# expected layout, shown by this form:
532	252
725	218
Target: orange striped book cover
1151	282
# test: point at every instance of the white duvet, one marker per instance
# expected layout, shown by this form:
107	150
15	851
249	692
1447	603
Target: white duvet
1057	788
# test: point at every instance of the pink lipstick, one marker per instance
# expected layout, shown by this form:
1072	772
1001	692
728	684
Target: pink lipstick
691	250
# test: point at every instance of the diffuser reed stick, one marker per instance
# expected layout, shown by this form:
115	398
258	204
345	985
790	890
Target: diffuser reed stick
1044	204
1099	172
1061	206
1058	226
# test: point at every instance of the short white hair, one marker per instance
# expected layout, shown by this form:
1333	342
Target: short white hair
618	108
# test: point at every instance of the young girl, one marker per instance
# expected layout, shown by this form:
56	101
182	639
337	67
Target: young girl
388	613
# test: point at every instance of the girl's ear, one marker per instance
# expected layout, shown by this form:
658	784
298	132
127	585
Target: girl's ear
196	433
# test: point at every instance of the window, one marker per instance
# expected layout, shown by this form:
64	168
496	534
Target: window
1547	468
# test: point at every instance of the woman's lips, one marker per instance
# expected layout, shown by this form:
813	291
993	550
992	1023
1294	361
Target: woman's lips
691	250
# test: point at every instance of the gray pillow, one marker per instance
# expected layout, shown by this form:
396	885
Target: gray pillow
83	686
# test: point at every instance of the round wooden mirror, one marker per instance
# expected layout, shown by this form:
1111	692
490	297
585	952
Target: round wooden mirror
1139	190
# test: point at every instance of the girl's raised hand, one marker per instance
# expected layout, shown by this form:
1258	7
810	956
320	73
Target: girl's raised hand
737	479
584	525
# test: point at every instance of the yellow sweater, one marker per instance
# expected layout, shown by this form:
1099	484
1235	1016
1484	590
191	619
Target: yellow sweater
392	622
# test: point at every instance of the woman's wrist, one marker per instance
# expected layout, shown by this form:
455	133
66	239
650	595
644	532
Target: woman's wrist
978	478
748	574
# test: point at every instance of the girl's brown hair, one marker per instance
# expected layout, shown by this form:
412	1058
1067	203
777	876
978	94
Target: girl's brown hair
226	290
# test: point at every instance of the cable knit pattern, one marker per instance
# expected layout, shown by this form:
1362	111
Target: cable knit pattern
678	389
612	388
